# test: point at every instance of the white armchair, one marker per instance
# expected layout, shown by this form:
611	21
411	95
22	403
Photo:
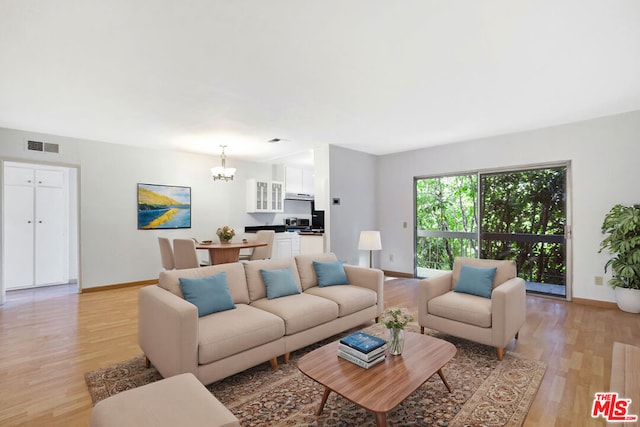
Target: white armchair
491	321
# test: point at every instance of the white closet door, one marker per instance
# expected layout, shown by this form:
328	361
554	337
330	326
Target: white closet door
51	239
36	240
19	236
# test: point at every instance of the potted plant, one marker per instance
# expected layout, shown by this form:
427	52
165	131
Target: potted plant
622	224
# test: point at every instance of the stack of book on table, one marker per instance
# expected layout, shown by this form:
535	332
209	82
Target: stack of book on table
362	349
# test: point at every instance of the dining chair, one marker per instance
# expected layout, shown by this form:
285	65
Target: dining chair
166	254
261	252
185	255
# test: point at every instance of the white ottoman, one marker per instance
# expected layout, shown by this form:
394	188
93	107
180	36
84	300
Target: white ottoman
177	401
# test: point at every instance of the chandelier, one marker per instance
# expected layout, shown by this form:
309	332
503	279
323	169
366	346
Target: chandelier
223	173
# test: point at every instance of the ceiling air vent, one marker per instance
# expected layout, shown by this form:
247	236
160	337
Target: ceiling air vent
35	146
43	147
51	148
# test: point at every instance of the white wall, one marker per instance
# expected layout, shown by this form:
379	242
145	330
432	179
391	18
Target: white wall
604	154
353	180
112	249
375	193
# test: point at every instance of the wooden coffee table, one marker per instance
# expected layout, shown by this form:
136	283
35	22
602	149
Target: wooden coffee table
384	386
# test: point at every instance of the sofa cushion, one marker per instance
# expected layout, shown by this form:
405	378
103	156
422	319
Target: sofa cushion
505	270
350	299
236	280
308	277
330	273
279	282
461	307
210	294
227	333
300	312
255	284
476	280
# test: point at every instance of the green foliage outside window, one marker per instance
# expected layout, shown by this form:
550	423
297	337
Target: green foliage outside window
445	204
516	204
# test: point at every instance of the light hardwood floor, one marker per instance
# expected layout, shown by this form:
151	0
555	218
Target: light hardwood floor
49	339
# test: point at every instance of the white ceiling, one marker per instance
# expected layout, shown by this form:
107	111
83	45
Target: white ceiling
370	75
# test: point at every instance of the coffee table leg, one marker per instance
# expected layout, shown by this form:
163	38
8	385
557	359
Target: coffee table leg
444	380
381	419
327	390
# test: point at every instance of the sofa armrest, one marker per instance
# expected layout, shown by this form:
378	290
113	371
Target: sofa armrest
508	310
168	331
430	288
370	278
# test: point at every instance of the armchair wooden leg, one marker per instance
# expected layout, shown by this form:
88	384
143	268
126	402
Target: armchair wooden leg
422	330
147	362
500	352
274	363
286	358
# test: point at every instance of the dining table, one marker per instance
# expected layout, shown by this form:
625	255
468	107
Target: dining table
221	253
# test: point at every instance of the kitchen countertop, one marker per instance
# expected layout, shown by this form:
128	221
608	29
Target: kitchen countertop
256	228
283	228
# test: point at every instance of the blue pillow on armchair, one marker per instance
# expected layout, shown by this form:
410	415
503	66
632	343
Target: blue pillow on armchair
476	280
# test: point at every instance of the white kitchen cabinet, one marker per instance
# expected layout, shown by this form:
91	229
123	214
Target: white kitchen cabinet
285	245
36	239
299	180
265	196
311	244
307	181
277	196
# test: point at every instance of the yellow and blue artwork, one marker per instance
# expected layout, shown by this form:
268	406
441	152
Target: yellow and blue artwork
163	206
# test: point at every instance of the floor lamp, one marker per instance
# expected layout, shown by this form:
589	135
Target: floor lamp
370	241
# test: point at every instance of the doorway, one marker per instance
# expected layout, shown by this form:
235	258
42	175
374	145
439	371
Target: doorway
40	226
520	215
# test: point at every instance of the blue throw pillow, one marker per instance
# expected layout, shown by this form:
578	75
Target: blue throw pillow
210	294
330	273
476	280
279	283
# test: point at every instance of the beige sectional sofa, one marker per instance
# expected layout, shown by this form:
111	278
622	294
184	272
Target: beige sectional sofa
259	329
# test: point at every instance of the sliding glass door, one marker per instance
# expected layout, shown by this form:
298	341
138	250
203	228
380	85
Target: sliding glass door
519	215
446	221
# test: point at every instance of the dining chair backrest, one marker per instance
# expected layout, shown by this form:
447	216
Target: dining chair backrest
263	252
184	252
166	254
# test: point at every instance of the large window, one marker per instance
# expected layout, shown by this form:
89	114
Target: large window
446	220
517	215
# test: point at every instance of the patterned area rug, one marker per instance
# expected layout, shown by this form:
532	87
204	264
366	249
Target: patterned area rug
486	392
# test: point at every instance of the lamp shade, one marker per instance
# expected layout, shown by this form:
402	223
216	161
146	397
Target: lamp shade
370	241
221	171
